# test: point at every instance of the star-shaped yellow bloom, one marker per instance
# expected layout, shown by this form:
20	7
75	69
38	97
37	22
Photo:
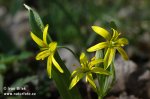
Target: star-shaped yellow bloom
86	69
112	43
47	50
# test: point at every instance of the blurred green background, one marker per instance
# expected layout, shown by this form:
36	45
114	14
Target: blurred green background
70	24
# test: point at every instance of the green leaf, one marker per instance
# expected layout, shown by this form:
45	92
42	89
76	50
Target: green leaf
36	23
63	81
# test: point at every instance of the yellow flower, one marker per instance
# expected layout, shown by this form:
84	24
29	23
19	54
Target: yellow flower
47	50
112	43
86	69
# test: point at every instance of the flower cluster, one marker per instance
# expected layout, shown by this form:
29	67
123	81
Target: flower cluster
47	50
88	68
111	44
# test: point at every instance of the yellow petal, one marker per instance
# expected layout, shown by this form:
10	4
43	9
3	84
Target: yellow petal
45	34
37	40
115	35
122	41
99	70
75	72
49	67
42	49
42	55
98	47
122	52
94	62
56	64
83	57
83	60
104	33
93	58
53	46
110	53
91	80
75	80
